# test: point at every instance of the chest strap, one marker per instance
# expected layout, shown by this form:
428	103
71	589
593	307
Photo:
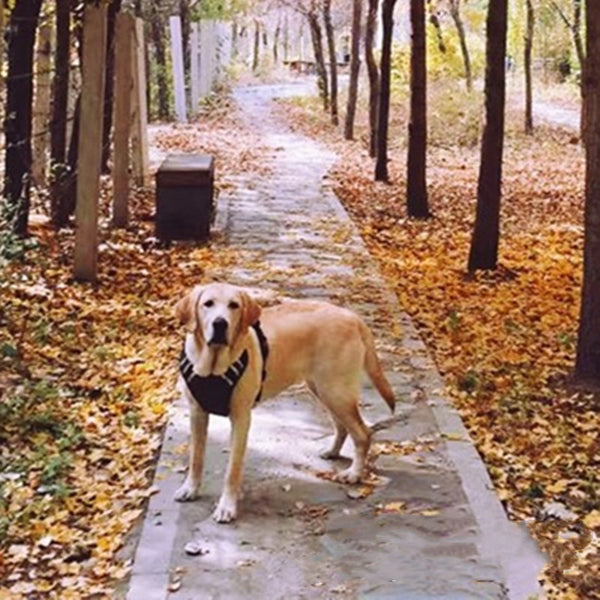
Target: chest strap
213	392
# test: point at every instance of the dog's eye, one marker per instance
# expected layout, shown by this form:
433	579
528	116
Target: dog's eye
209	303
234	305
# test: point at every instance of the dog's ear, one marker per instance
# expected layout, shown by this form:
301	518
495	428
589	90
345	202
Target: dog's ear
186	311
250	311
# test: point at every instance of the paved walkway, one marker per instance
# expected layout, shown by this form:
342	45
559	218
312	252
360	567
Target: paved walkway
430	528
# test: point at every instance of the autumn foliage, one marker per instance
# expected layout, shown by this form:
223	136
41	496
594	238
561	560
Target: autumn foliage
86	375
504	340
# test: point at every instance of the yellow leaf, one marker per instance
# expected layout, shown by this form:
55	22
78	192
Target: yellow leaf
430	512
392	507
558	487
592	520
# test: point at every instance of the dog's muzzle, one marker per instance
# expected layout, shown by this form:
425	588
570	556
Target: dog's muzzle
219	335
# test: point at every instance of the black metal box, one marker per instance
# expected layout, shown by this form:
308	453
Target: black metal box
185	197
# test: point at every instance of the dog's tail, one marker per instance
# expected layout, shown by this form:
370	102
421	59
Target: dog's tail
373	367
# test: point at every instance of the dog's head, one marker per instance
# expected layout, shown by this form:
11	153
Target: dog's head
217	313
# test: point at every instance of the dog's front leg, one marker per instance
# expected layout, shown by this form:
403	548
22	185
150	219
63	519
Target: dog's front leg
226	510
198	428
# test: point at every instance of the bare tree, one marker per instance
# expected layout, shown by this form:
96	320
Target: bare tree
157	34
587	364
528	47
416	186
387	17
354	70
316	36
109	88
462	38
333	80
19	99
573	24
486	233
373	73
58	120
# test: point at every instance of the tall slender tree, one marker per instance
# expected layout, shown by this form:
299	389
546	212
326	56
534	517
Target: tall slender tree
573	24
373	72
587	365
19	99
462	38
333	78
109	88
486	233
416	185
316	36
157	33
354	70
58	119
527	51
381	163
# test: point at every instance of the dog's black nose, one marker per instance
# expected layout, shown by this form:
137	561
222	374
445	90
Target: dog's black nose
219	331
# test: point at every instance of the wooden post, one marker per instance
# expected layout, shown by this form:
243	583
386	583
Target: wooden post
124	42
139	110
41	106
178	79
90	142
194	67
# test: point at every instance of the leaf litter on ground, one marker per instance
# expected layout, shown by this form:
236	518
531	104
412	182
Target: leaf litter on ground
504	340
87	373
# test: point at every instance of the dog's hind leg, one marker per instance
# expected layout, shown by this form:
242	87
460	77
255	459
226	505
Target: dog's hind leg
339	430
343	405
198	427
341	433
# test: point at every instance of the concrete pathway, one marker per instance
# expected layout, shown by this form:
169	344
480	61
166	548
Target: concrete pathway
428	527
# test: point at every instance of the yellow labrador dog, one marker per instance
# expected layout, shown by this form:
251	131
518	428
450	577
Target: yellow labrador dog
230	360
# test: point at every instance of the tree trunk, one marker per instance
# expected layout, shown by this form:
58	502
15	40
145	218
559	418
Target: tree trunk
527	62
316	36
416	186
19	99
579	48
460	28
60	86
354	70
109	88
332	61
286	38
60	103
256	48
435	21
41	106
276	37
158	41
373	72
484	244
587	364
184	13
575	28
387	17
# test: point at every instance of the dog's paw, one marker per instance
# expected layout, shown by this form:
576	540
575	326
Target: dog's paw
348	476
187	492
226	510
330	454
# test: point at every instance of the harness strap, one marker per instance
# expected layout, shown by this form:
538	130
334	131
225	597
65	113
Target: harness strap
264	351
214	392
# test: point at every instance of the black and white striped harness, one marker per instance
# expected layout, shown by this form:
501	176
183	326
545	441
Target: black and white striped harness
213	392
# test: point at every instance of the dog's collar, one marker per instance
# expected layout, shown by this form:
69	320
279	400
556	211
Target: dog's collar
214	392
